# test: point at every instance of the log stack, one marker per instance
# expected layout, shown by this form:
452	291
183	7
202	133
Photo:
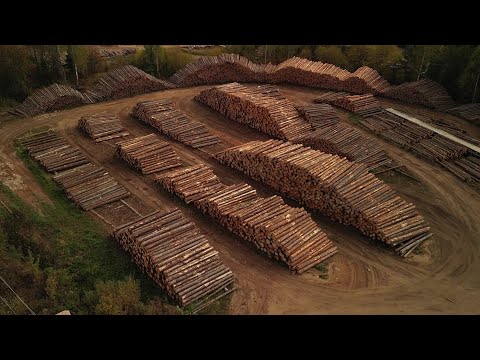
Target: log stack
460	133
109	53
90	186
166	118
273	115
338	188
423	92
470	112
53	152
102	127
319	115
173	252
226	68
51	98
439	148
148	154
364	105
344	140
124	82
466	168
284	233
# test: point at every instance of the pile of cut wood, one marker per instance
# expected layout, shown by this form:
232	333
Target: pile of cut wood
53	152
284	233
124	82
166	118
148	154
364	105
345	140
102	127
258	107
340	189
53	97
460	133
90	186
173	252
423	92
226	68
466	168
470	112
439	148
108	53
319	115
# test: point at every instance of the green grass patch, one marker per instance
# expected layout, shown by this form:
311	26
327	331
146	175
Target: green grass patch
57	258
323	269
354	118
213	51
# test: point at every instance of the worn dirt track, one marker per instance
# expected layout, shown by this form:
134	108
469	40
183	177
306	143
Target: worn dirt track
365	277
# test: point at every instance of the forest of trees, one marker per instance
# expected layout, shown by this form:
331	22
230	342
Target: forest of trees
25	68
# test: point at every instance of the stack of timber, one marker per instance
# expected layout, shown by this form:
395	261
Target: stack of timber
226	68
284	233
423	92
272	114
460	133
470	112
166	118
173	252
338	188
330	97
53	152
102	127
51	98
90	186
466	168
148	154
344	140
108	53
364	105
124	82
439	148
319	115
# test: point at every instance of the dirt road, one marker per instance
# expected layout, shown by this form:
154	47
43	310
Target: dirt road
364	277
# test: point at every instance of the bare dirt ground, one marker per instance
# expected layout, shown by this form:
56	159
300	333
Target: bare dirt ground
365	277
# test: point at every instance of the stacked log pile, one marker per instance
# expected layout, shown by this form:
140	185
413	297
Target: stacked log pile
226	68
319	115
124	82
53	152
284	233
439	148
90	186
166	118
423	92
172	251
102	127
148	154
51	98
466	168
340	189
272	114
470	112
460	133
344	140
330	97
364	105
108	53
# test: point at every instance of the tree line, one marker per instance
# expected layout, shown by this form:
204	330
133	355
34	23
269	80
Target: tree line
457	67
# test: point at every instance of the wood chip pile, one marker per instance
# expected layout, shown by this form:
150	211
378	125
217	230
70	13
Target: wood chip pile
173	252
53	152
102	127
166	118
148	154
284	233
338	188
423	92
258	107
90	186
